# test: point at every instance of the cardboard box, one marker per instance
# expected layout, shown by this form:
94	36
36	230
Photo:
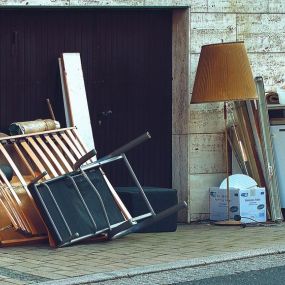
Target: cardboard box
250	204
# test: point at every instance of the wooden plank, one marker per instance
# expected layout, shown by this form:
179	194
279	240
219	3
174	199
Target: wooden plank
76	96
13	165
11	138
34	158
50	154
76	135
10	210
64	148
8	213
71	145
76	142
64	162
17	204
31	209
24	160
42	156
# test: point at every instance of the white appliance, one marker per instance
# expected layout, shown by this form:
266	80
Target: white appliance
278	140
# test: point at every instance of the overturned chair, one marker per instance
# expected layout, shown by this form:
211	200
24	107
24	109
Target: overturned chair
79	201
84	204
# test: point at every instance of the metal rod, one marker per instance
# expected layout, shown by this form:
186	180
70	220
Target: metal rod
47	212
57	207
99	197
83	202
138	184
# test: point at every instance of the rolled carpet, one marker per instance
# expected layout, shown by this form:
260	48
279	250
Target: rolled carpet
29	127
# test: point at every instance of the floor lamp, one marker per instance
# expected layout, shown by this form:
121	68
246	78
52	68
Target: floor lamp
223	75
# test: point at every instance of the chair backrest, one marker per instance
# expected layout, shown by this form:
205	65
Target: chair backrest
30	155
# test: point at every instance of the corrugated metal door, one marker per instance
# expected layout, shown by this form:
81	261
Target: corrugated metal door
126	58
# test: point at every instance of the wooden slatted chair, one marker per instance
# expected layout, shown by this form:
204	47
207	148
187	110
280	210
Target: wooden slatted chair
30	155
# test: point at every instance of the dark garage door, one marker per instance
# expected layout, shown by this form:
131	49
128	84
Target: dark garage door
126	58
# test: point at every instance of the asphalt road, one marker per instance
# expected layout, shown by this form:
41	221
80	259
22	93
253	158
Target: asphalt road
271	276
264	270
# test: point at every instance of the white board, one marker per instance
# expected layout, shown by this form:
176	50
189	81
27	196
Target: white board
74	97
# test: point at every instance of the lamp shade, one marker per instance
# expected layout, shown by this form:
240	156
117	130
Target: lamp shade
223	74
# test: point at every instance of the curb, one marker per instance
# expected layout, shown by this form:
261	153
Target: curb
100	277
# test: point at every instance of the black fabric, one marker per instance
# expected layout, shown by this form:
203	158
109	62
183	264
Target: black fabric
7	170
72	207
159	198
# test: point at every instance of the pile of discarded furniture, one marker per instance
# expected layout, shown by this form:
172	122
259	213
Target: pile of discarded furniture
52	188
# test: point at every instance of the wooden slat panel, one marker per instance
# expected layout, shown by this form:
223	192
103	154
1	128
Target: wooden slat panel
65	149
64	162
24	160
50	154
76	142
42	156
71	145
17	204
34	158
13	165
76	135
10	209
8	212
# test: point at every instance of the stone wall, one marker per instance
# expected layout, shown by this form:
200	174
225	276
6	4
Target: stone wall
260	24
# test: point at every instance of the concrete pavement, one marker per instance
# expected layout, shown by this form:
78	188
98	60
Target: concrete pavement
190	245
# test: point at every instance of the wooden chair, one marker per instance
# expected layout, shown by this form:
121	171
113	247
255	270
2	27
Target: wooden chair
30	155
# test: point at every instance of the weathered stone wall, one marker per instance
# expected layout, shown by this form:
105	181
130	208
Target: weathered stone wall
260	24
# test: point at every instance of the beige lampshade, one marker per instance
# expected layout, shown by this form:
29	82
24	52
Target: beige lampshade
223	74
